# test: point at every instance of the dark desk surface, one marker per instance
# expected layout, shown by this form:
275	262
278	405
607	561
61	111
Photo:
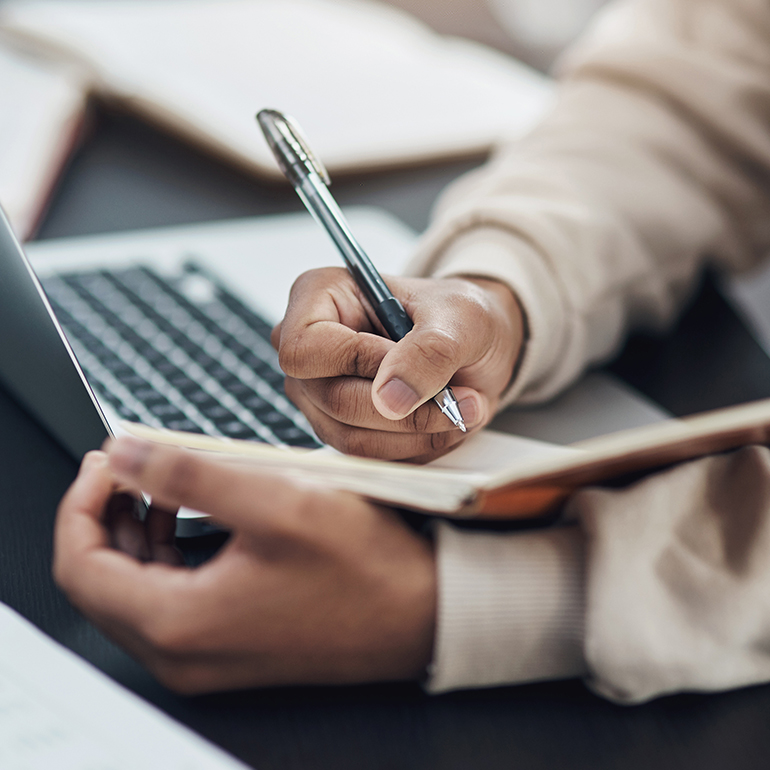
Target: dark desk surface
127	176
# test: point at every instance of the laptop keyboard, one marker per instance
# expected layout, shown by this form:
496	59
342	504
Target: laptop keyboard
180	352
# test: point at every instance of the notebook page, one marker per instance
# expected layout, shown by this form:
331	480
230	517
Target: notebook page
40	115
370	85
57	711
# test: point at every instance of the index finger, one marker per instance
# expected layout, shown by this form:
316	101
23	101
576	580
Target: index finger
326	331
239	495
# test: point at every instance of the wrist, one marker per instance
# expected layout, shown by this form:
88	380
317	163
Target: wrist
395	626
507	305
418	599
509	319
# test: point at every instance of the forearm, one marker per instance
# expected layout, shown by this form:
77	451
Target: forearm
657	588
654	160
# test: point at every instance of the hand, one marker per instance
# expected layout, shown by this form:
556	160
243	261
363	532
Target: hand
313	586
367	395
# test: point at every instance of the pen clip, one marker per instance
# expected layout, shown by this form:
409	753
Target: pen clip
288	144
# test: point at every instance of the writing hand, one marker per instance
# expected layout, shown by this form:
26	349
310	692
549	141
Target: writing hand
365	394
313	586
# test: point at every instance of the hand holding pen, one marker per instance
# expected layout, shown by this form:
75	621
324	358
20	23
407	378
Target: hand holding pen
467	330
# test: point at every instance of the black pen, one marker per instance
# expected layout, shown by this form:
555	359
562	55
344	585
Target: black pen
311	181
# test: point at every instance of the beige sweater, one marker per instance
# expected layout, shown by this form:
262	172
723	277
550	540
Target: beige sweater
655	161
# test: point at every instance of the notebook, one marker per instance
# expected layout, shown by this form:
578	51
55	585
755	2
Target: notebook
529	483
370	84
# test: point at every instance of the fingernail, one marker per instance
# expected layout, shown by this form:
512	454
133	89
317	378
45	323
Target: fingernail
469	409
128	456
398	397
93	459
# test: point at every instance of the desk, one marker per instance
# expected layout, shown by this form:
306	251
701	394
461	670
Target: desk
127	176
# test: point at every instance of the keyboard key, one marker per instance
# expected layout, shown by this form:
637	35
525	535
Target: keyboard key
184	352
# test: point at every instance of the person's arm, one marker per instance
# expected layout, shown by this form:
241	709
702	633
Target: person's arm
654	161
659	588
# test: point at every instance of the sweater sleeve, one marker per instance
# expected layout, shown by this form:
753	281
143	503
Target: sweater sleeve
654	162
657	588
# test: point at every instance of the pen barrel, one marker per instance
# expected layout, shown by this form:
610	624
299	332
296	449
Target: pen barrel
328	214
394	319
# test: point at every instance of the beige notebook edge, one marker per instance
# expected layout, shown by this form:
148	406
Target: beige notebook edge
527	489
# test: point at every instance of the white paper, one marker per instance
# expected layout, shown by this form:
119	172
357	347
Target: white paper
59	712
41	111
596	405
490	452
370	85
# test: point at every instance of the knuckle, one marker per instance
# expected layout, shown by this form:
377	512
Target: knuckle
291	357
92	456
358	443
168	632
440	442
335	398
322	431
275	336
314	279
357	364
302	282
346	401
439	349
349	442
364	355
373	444
419	419
293	390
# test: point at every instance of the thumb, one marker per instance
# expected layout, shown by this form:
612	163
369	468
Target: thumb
415	370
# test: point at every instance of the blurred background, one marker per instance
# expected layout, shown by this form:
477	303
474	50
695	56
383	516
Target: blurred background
37	131
535	31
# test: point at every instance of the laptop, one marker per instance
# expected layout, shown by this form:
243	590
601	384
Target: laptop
168	327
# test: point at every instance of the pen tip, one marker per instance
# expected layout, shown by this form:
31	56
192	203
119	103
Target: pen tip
461	426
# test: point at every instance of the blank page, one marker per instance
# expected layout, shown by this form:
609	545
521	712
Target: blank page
60	712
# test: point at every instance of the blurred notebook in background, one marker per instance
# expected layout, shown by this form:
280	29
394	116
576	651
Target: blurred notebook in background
42	109
373	86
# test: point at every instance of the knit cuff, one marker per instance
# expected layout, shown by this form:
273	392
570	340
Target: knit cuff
511	607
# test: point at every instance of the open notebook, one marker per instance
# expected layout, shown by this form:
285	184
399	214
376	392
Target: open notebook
371	85
533	479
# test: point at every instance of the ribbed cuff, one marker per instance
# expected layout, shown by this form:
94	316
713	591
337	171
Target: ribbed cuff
511	607
490	252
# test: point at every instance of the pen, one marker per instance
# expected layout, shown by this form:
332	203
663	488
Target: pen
311	181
